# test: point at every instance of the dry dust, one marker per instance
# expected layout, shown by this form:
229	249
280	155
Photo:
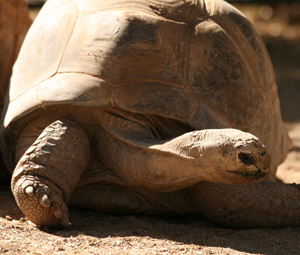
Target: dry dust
96	233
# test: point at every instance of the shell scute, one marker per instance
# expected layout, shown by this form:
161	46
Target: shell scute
42	62
88	90
153	97
219	76
148	49
90	43
127	46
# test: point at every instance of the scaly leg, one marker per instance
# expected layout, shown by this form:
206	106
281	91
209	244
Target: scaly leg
264	204
47	173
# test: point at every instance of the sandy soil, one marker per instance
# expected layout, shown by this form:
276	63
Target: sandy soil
97	233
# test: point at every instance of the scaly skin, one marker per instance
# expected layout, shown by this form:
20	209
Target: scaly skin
264	204
177	163
46	175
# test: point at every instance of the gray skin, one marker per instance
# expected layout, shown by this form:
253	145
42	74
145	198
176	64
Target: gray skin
154	108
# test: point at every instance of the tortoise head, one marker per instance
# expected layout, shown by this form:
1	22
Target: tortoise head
238	156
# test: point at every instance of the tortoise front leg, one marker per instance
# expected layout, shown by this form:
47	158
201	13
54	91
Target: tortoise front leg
264	204
47	173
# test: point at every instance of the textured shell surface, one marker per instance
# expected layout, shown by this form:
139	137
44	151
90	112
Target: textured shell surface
173	55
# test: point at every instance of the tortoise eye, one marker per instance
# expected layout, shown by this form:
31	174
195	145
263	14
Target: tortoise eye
246	158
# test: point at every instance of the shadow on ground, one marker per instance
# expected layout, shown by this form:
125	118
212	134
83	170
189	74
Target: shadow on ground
191	231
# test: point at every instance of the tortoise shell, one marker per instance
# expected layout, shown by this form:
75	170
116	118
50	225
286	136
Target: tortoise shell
198	62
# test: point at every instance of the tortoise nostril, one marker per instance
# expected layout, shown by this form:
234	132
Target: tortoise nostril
246	158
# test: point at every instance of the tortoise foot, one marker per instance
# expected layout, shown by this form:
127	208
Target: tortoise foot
48	171
41	201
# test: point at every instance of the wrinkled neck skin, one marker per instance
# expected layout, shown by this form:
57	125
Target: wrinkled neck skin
132	151
197	144
217	152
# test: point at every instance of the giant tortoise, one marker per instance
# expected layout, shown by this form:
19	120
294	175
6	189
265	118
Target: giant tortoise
156	107
14	23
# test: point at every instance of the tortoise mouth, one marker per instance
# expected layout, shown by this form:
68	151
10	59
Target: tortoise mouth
251	174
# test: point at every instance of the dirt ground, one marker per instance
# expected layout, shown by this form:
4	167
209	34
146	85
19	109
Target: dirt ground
97	233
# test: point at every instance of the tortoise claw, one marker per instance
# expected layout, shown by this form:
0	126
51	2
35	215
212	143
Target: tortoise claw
61	213
57	212
41	201
44	200
29	190
58	215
